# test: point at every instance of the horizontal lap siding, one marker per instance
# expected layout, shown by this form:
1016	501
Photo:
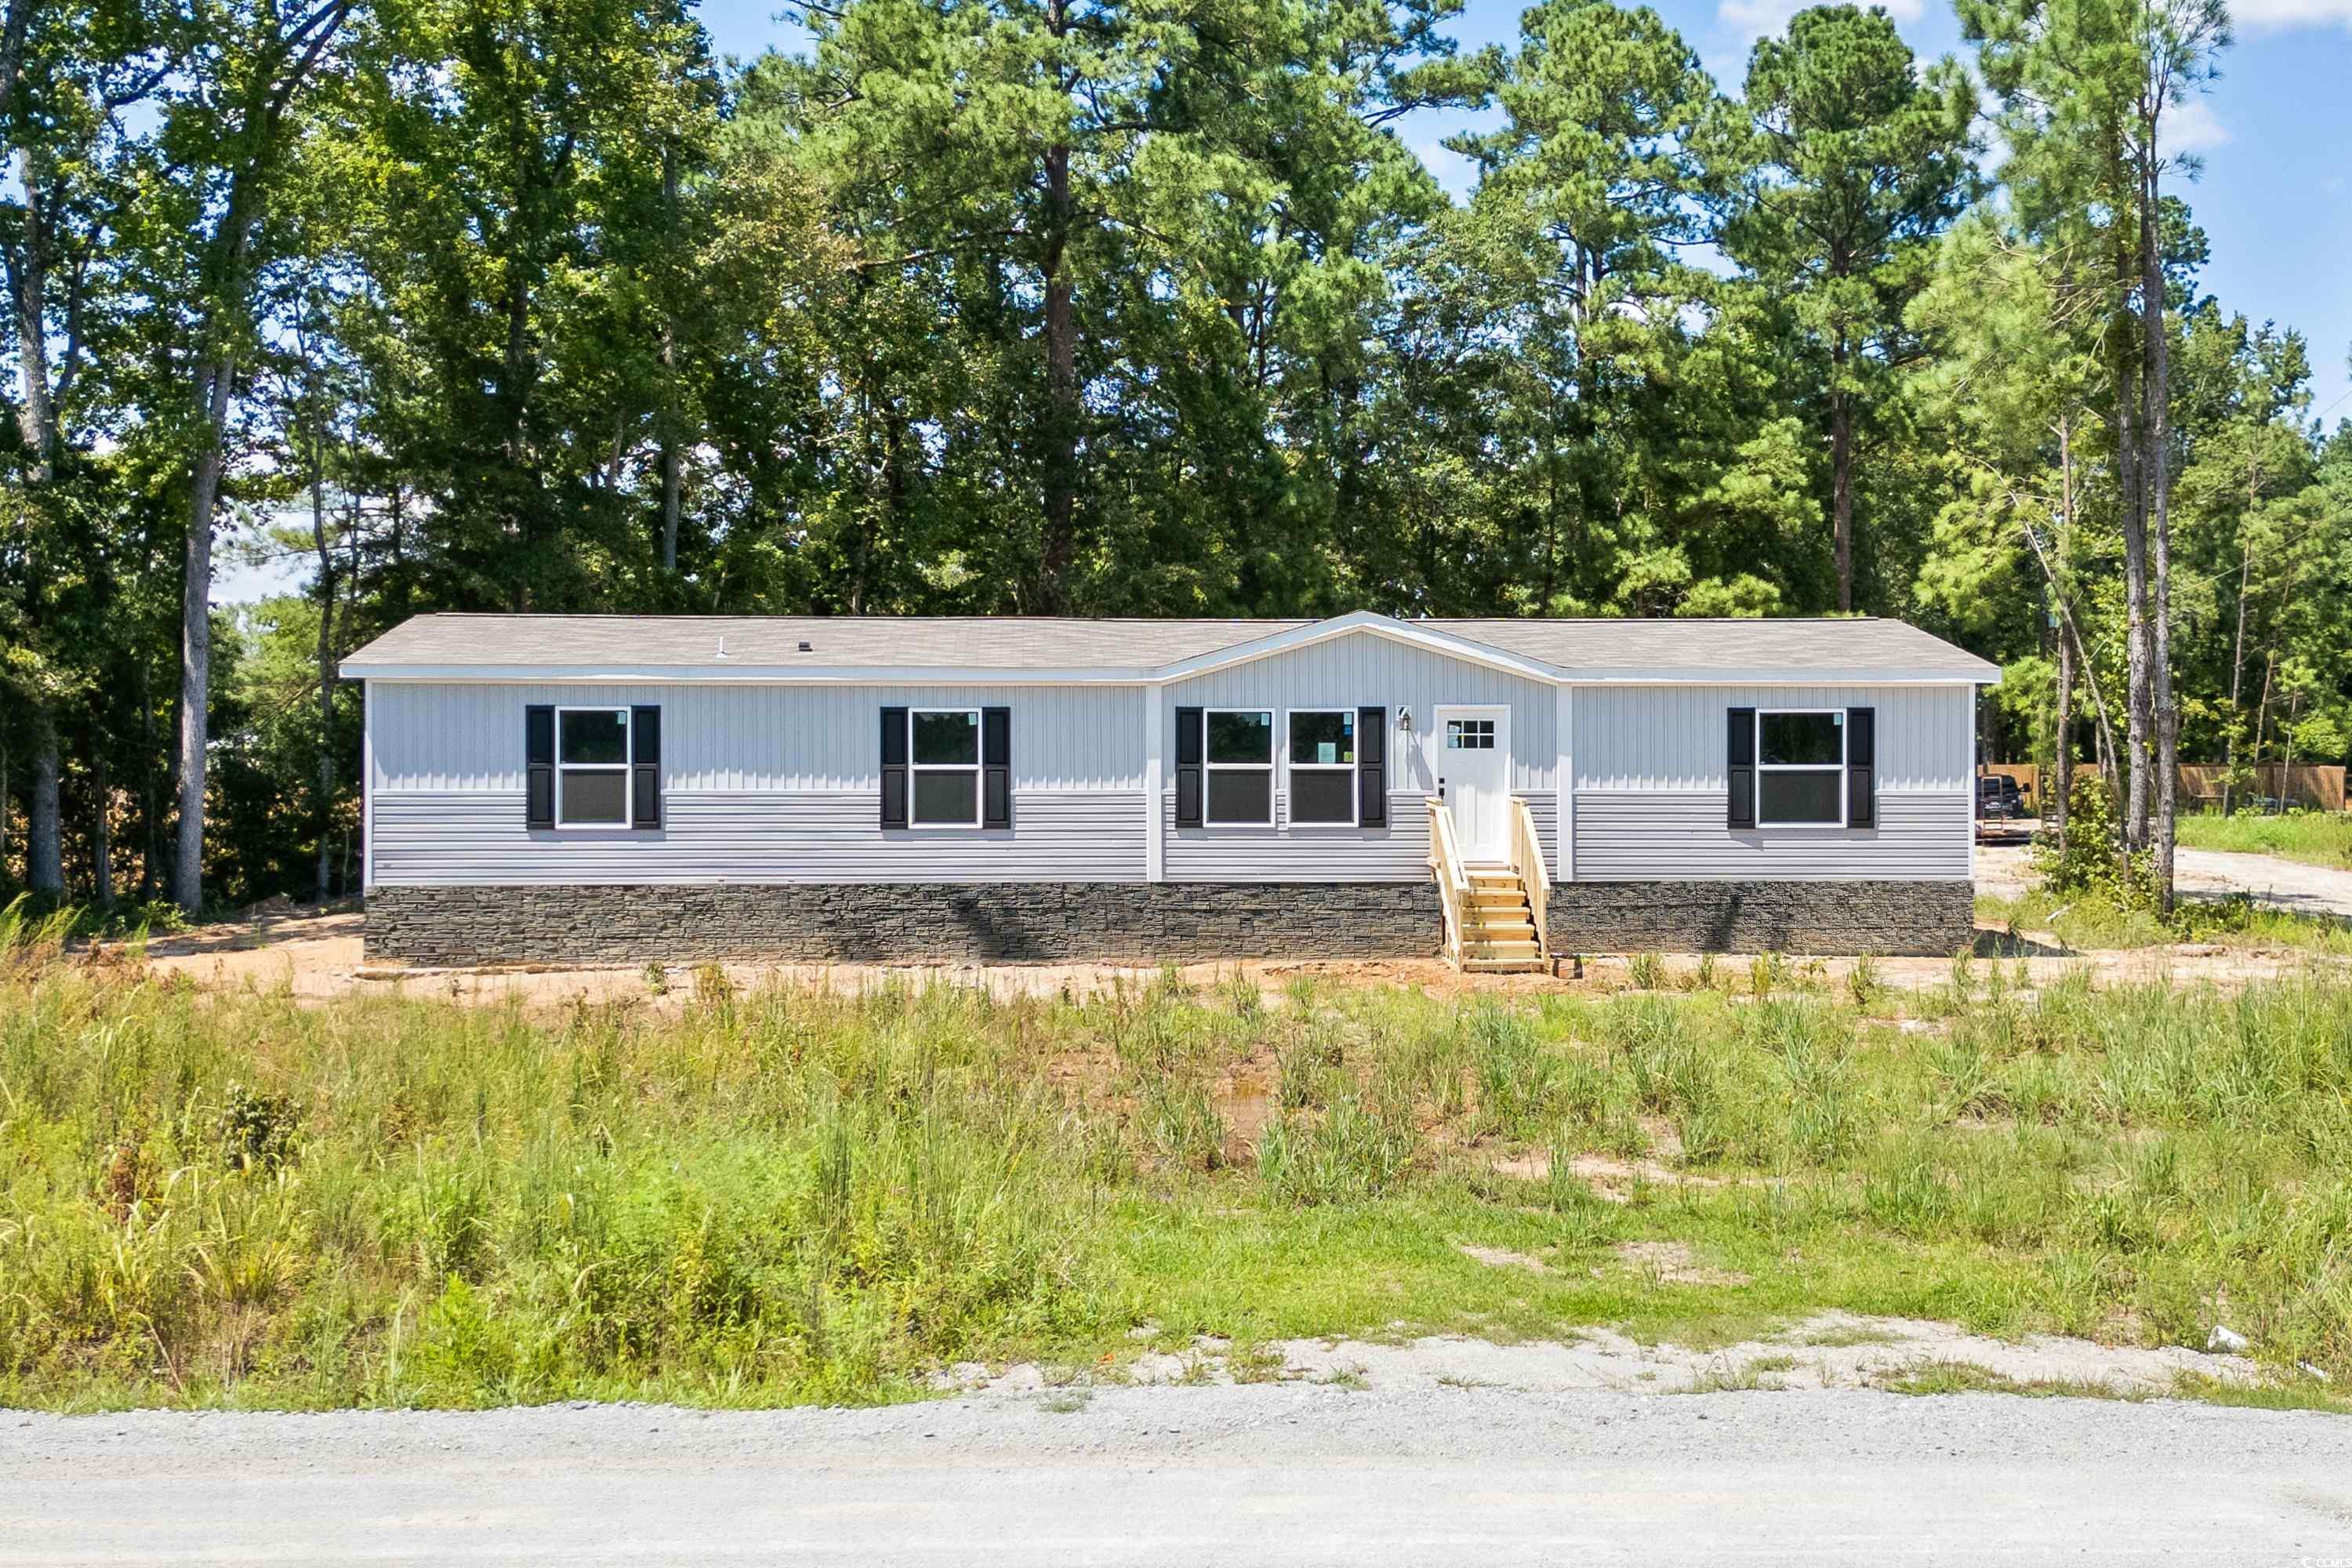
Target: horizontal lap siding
1287	854
456	737
478	837
1363	669
1398	853
1679	835
1666	738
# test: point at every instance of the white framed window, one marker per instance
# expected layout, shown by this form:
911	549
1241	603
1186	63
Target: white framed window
1237	762
1801	767
591	767
943	767
1319	750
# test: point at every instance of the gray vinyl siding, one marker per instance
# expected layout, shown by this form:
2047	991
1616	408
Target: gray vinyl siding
1363	669
1398	852
1664	737
457	737
1650	787
1282	853
1626	836
478	837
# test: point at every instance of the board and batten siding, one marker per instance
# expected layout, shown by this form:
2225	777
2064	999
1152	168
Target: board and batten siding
1650	787
454	737
1364	669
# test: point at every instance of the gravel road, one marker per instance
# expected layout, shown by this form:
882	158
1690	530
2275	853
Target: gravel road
2006	870
1284	1473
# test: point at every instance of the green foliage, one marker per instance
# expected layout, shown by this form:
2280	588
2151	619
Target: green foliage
2315	837
1099	308
779	1197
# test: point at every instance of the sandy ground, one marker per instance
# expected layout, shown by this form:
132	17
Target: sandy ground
1832	1349
318	955
1441	1452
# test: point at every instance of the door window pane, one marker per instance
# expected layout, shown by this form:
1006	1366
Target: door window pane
1798	796
1469	734
1801	739
1320	797
1323	739
595	795
1243	794
949	797
1245	737
595	736
946	739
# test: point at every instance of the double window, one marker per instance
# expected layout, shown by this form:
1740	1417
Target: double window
1323	765
943	754
1239	760
1801	767
591	767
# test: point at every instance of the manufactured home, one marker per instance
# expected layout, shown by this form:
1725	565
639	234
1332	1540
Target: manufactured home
630	788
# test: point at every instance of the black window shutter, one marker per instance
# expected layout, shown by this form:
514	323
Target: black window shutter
1740	767
1188	767
1861	767
644	767
538	766
996	767
1373	766
894	767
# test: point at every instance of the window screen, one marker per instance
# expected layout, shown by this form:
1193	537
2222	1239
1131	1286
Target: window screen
1800	768
592	754
943	746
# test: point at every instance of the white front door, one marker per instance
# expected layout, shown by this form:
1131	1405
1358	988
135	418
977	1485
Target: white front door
1473	765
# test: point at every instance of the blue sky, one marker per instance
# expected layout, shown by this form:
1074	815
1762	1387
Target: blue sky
2275	134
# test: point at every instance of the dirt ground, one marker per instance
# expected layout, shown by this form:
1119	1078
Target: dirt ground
2005	871
318	955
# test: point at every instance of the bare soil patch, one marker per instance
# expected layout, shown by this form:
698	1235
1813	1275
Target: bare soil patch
316	954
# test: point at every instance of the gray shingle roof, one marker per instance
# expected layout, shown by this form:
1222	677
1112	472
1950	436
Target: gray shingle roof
455	644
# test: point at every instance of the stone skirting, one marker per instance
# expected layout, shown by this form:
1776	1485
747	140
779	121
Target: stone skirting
903	923
1935	919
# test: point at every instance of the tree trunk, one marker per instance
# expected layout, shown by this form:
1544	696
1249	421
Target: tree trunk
101	829
669	433
197	636
326	654
1841	477
2062	762
1060	453
2237	684
45	857
2137	705
151	798
2286	757
2157	475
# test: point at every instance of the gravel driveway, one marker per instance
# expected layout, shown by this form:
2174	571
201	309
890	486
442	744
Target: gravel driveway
2005	870
1281	1473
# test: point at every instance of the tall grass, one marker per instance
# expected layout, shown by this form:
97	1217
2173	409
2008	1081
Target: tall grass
774	1195
2319	837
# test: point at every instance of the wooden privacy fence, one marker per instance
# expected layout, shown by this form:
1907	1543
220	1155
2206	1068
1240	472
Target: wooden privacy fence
2316	786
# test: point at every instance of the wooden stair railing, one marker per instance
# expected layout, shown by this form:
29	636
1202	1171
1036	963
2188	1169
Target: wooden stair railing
1452	880
1527	860
1495	917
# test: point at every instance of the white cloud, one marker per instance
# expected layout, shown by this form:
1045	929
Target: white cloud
1458	173
2271	15
2192	127
1757	18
